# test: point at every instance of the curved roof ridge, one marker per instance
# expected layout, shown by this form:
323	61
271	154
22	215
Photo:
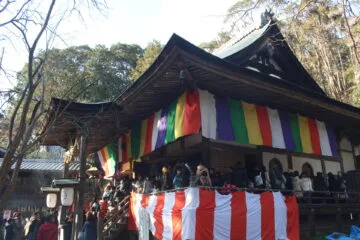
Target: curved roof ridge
237	43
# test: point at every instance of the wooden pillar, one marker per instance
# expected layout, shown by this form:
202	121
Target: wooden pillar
289	160
66	170
74	234
205	153
80	201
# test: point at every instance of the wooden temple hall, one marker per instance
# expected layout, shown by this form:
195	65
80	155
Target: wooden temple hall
251	101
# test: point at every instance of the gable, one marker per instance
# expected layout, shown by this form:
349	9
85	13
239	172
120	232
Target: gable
265	50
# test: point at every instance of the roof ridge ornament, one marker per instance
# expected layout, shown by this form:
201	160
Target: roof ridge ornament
267	16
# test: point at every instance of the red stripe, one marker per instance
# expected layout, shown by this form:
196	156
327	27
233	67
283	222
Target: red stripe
265	127
293	227
131	219
176	215
159	226
149	129
105	168
314	135
238	216
205	215
124	148
145	201
267	216
192	119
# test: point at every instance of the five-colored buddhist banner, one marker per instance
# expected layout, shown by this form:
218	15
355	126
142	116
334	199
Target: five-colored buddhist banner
228	120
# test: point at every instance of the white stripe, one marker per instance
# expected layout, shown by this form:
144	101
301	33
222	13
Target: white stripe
150	209
253	216
137	209
280	213
357	150
189	213
120	149
155	130
167	215
208	114
324	139
222	216
101	159
276	130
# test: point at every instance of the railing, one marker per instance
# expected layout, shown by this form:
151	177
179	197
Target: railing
321	212
115	218
312	206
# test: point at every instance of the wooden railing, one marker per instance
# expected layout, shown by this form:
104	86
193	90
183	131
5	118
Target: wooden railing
115	218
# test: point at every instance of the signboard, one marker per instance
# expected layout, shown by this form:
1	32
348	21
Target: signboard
7	214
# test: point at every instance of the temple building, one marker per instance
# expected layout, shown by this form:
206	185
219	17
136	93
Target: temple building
251	101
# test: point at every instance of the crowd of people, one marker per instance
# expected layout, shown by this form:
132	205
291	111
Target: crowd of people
35	228
179	176
46	227
238	177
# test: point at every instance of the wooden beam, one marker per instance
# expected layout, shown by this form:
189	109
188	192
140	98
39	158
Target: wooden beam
189	81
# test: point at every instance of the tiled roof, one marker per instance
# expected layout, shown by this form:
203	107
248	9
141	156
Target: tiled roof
45	165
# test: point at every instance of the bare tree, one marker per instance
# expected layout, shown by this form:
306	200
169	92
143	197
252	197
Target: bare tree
36	29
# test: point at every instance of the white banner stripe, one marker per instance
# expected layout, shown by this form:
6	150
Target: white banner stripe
324	139
167	215
280	213
101	159
276	130
208	114
253	216
189	213
137	209
155	130
222	216
150	209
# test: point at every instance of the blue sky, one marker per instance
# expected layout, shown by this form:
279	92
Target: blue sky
134	21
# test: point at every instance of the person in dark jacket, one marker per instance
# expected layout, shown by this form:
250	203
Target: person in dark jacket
34	227
320	182
48	230
277	178
9	230
239	176
89	228
334	184
178	179
68	226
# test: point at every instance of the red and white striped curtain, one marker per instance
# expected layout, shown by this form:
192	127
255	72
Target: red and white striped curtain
201	214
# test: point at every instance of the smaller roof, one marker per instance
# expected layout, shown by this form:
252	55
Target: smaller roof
235	45
45	165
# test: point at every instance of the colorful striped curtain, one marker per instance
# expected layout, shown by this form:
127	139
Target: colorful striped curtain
107	157
228	120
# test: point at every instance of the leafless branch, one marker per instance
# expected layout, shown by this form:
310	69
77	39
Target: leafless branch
24	37
20	11
349	30
13	116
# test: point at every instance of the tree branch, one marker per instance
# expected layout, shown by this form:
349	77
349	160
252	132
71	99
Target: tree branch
350	33
16	15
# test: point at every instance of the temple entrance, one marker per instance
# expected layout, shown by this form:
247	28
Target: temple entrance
275	163
307	168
